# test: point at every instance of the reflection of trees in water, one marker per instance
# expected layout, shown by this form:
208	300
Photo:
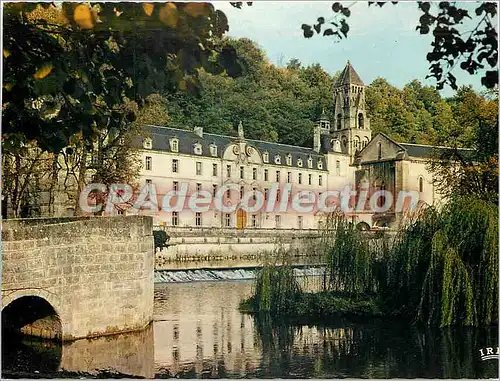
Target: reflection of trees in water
375	351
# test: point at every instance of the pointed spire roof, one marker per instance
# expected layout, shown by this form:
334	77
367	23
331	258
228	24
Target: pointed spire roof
349	77
323	115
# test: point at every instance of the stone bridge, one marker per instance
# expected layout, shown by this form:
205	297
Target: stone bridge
72	278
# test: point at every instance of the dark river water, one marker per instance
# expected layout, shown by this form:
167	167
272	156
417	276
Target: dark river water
199	333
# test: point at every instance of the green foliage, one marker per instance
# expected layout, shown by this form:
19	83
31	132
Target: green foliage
473	45
348	258
276	288
443	270
72	76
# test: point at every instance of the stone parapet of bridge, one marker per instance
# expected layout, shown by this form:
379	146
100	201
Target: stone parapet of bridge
96	272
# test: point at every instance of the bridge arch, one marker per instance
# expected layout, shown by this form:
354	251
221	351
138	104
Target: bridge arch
31	313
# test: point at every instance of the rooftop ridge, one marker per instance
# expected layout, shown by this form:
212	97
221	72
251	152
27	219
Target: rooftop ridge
229	136
431	146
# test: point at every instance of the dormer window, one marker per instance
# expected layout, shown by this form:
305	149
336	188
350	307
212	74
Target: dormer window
174	145
309	162
213	150
320	164
265	157
148	143
300	163
277	159
289	159
197	149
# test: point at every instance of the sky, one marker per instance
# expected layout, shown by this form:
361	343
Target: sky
382	42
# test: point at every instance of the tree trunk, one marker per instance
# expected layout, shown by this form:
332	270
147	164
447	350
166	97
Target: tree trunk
81	180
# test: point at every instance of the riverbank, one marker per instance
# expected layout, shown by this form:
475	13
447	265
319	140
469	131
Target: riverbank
316	306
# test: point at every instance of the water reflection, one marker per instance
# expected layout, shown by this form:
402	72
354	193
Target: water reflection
128	354
200	333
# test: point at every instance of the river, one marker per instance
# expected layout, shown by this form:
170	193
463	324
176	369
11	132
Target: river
198	332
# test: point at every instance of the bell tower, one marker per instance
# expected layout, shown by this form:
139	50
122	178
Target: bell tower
351	126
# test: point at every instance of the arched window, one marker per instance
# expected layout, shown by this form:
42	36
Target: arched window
379	145
339	121
420	184
361	121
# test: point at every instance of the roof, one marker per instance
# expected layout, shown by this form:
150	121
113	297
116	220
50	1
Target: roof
161	136
349	76
422	150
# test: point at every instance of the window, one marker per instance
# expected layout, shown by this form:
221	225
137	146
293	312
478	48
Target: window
214	189
277	176
266	191
277	221
227	220
198	219
361	121
320	164
254	197
300	178
214	169
288	159
300	222
148	143
198	187
242	172
289	177
149	163
355	144
149	181
266	175
228	193
339	121
197	149
213	150
120	212
174	145
420	184
175	218
265	157
310	162
175	165
278	194
337	167
310	179
254	174
228	171
277	159
198	168
176	186
254	220
379	146
320	180
242	191
300	162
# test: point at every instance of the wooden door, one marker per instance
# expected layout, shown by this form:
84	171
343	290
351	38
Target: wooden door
241	219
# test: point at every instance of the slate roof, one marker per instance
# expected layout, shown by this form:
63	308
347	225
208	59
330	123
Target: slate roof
160	137
349	76
426	151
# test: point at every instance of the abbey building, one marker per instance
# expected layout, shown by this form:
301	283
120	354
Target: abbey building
343	155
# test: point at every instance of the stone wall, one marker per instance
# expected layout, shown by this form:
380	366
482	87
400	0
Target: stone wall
236	245
97	273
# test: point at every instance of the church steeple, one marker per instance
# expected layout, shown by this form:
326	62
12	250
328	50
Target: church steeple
349	77
351	126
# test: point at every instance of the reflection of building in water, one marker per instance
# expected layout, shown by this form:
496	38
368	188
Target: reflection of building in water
199	330
130	354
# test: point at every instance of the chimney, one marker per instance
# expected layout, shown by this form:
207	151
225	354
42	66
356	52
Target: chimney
317	138
199	131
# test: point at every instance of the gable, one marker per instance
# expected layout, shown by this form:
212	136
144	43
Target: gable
389	149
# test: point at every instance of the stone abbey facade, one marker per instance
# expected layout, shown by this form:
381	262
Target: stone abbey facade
343	154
